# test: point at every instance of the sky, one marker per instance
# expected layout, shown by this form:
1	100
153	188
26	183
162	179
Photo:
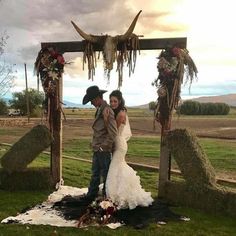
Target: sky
207	24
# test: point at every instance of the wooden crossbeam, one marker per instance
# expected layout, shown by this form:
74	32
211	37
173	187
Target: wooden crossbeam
145	44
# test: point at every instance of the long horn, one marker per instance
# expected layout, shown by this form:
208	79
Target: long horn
131	28
83	34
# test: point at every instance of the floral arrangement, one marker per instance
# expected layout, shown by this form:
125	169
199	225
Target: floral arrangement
99	212
173	64
49	66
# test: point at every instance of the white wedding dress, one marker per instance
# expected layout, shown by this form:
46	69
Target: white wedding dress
123	184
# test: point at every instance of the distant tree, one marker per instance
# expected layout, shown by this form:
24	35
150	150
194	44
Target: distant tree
6	71
3	107
152	106
19	100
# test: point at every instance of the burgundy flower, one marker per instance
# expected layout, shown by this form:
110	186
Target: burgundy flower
60	59
53	53
110	210
176	51
167	72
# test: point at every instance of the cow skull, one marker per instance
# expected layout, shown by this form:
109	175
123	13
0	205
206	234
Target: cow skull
108	42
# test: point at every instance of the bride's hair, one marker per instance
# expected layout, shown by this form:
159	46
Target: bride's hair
118	95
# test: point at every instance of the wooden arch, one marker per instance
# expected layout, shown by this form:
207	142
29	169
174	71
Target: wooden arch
56	147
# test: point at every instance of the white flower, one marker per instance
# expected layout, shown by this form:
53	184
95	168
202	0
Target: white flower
93	204
163	63
53	75
105	204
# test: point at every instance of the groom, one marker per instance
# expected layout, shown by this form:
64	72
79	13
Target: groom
105	131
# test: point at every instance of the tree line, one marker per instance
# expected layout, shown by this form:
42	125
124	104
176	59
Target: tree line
197	108
18	102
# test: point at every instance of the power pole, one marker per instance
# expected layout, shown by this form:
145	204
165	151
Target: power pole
27	94
38	83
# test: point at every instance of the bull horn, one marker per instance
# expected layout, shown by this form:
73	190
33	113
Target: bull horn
83	34
131	28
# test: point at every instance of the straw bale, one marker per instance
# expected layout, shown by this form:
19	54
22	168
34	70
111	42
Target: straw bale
26	149
28	179
190	157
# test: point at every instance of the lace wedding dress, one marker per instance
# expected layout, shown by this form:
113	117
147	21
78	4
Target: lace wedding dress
123	185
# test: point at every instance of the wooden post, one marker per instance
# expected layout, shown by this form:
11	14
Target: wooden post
56	147
37	83
27	94
165	159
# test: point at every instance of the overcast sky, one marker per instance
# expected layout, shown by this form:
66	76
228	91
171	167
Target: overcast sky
207	24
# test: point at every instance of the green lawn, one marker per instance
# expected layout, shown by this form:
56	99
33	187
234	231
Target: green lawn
221	153
146	150
77	174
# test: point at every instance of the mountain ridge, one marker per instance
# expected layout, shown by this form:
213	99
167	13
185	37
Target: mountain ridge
229	99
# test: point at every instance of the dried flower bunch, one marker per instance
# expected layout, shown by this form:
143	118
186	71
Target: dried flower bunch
173	64
127	54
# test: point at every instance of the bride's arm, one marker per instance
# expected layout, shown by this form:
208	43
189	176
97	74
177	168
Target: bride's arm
120	118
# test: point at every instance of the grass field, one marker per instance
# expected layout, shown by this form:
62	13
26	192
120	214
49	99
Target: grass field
78	174
144	148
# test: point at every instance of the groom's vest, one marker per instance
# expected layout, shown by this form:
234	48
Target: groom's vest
105	129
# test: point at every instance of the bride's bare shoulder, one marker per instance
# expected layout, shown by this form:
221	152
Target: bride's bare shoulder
121	117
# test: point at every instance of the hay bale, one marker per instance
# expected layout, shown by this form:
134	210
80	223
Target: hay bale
190	157
28	179
216	200
24	151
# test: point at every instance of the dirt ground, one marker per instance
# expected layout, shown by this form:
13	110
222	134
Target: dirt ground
214	128
77	127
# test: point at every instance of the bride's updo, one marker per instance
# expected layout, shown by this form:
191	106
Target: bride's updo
118	95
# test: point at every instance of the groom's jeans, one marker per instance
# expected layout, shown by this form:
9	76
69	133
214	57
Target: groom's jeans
100	167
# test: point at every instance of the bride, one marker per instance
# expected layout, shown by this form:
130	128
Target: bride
123	184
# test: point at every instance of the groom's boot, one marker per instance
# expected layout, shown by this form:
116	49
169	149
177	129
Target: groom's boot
86	199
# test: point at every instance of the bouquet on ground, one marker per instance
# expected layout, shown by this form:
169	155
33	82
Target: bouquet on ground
99	212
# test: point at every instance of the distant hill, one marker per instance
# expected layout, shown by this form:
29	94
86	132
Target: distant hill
72	104
229	99
144	106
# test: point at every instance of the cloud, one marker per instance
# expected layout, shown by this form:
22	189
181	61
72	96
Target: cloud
28	23
28	54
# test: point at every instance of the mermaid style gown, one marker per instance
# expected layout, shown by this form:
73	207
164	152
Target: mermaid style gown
123	185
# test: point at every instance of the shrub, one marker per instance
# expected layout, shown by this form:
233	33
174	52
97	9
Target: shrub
196	108
190	108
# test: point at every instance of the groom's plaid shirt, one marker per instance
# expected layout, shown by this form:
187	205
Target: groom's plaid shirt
105	129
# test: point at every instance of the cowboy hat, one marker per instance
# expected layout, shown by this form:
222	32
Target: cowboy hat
91	93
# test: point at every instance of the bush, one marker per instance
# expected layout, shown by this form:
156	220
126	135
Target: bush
196	108
37	112
190	108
